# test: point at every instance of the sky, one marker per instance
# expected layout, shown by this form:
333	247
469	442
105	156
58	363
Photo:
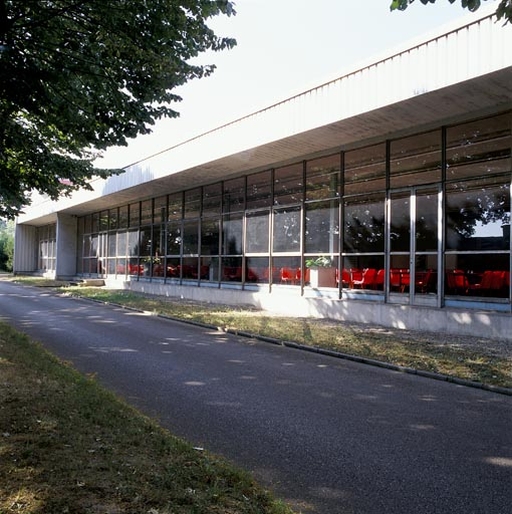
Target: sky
284	47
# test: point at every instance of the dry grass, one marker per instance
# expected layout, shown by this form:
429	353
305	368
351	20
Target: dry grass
69	446
445	355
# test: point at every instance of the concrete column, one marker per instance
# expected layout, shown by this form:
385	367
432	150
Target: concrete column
25	249
66	247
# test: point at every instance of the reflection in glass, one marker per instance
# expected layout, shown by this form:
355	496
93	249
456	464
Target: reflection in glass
286	270
426	224
322	228
232	235
259	190
231	269
322	178
479	147
288	184
234	195
212	199
192	203
364	224
478	216
287	230
478	275
190	237
365	169
174	238
363	272
210	234
257	270
400	226
416	160
257	232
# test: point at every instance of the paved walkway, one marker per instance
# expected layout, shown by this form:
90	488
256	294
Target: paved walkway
327	435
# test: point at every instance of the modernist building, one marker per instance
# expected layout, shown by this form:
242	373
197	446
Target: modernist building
381	196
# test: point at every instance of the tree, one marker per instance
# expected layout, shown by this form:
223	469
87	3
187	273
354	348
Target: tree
78	76
6	245
504	9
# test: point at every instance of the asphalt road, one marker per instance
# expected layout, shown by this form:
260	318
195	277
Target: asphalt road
327	435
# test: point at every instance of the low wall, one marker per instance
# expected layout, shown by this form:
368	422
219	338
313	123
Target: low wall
486	324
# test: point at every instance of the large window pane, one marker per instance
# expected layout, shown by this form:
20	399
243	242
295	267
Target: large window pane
231	269
232	235
362	272
123	217
175	206
193	203
478	215
426	223
160	209
322	178
113	221
234	195
259	190
400	226
364	224
257	232
286	270
210	234
257	270
478	275
479	147
146	212
190	237
212	199
365	169
416	160
288	184
134	214
103	221
322	227
174	237
287	230
112	244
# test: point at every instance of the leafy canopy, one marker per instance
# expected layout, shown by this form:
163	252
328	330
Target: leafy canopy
504	9
78	76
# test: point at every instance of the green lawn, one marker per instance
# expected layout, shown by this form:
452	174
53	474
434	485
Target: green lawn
69	446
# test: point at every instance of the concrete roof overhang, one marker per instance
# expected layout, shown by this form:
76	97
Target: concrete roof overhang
477	97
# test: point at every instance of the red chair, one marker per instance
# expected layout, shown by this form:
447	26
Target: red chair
498	280
355	275
345	277
422	281
457	281
405	280
484	286
367	280
287	276
395	279
379	280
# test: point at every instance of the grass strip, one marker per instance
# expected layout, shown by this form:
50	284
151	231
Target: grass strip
69	446
442	354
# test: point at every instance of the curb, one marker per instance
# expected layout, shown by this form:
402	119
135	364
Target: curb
322	351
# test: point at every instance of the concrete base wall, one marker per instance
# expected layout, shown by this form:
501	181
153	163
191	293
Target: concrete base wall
486	324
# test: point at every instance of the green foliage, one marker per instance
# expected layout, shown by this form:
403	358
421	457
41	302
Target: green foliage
78	77
504	10
319	262
6	245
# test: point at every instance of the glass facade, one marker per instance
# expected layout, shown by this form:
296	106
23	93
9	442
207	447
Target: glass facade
423	219
46	244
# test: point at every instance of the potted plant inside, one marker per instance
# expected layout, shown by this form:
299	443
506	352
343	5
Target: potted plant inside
321	271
